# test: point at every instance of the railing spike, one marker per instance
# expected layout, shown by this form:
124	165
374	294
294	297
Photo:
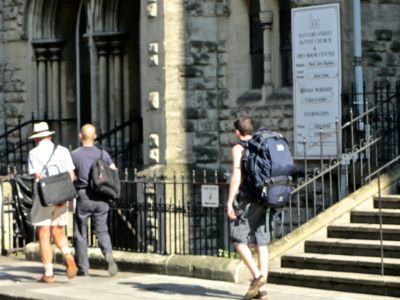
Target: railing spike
126	174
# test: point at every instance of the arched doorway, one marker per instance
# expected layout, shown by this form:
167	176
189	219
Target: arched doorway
86	69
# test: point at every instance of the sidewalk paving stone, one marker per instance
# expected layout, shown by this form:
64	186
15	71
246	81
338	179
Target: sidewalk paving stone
18	281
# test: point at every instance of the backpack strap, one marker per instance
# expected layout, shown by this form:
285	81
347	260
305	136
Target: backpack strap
244	144
101	151
279	180
45	166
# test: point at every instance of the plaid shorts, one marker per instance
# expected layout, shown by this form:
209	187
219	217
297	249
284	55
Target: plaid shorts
250	227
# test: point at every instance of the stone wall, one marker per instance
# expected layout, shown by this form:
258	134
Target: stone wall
12	78
13	20
381	41
1	64
196	72
215	82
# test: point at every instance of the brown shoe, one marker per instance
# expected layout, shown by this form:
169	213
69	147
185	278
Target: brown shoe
254	287
263	295
71	266
46	279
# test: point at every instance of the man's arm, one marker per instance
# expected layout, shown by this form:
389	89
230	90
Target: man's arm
72	175
236	179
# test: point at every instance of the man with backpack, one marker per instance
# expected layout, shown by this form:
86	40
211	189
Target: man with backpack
247	215
91	203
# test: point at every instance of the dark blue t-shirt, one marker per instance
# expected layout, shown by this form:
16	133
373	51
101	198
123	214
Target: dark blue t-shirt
83	158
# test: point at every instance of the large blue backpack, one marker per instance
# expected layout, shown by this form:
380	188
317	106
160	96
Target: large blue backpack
268	165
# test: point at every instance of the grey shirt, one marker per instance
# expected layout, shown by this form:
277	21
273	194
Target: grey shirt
83	158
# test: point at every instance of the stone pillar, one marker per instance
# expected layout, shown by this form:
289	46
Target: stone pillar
118	80
266	19
103	93
109	50
42	90
48	57
55	56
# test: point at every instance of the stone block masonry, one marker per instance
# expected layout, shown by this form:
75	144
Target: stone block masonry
13	19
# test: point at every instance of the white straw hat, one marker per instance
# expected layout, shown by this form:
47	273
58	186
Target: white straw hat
40	130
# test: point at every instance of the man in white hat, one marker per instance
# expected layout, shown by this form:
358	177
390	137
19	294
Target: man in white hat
50	220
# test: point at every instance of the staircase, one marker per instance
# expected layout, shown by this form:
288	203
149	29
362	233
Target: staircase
349	259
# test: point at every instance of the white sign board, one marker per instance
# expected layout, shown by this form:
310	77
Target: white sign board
209	196
316	79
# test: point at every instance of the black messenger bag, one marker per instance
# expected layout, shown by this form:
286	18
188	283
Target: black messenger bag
55	189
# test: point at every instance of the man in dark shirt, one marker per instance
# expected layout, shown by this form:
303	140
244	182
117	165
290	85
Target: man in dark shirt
90	204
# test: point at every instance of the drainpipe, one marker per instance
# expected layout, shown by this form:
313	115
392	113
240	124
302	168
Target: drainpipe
3	61
358	74
78	73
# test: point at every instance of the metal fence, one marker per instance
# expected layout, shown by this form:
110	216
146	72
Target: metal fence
123	142
165	214
15	145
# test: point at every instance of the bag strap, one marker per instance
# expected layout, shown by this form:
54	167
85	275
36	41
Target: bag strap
101	151
45	166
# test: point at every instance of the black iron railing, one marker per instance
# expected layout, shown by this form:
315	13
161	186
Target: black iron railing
15	145
124	143
164	214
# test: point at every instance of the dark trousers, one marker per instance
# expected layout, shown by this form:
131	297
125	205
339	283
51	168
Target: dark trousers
98	212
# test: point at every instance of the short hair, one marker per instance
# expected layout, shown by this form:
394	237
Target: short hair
244	125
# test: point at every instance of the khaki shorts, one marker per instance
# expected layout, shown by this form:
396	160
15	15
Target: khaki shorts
48	216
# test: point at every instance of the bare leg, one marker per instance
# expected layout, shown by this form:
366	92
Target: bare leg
61	242
262	252
45	250
247	256
59	237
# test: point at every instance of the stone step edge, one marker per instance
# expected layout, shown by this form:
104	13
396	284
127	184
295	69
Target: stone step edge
339	277
393	211
198	266
389	198
329	259
354	243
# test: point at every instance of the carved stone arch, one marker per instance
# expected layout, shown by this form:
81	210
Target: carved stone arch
44	19
112	17
106	15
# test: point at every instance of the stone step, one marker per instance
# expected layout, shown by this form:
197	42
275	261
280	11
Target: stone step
389	216
342	263
364	231
388	201
341	281
353	247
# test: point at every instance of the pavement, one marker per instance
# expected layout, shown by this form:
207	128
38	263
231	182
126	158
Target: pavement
18	281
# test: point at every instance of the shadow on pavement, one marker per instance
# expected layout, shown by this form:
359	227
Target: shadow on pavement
189	290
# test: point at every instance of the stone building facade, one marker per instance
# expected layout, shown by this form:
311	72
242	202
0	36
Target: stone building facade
185	68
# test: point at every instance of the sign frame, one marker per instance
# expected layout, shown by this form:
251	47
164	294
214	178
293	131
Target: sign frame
317	80
209	195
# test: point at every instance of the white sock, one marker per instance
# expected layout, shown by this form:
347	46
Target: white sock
48	270
65	250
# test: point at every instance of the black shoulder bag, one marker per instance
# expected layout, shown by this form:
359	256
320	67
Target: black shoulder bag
55	189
